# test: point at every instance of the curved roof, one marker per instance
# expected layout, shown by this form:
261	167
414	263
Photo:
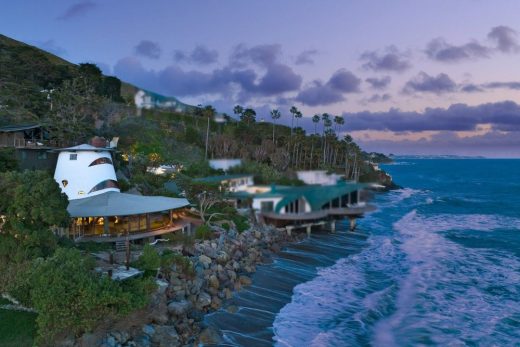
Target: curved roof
121	204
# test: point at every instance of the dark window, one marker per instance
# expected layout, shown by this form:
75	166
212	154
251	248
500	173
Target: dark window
42	155
266	206
104	185
100	161
73	156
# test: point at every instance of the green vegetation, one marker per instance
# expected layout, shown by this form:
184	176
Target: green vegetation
17	328
203	232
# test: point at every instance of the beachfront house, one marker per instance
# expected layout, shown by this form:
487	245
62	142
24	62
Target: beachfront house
98	209
283	205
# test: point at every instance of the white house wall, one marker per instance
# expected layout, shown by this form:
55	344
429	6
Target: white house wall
81	177
257	202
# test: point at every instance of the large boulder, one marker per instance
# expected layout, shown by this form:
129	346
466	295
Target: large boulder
204	300
245	281
165	336
205	260
210	337
179	308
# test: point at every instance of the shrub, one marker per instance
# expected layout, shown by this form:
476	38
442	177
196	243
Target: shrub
149	261
203	232
70	296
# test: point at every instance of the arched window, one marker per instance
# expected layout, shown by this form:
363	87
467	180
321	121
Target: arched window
104	185
102	160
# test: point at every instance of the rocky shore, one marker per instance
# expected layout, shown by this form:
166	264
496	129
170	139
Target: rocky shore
175	314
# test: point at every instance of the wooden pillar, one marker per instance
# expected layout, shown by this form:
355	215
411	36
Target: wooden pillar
171	217
333	226
352	223
309	230
106	222
148	222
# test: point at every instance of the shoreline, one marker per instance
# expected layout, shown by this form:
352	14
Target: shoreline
176	312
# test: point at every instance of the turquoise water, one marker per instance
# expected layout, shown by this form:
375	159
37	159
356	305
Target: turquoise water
440	267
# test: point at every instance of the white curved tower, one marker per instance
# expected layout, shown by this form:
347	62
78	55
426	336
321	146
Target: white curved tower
84	171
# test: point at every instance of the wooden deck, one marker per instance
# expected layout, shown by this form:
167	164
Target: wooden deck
134	236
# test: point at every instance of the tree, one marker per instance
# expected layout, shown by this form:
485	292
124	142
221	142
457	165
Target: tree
338	121
298	115
294	111
248	116
208	112
238	110
75	107
69	296
315	120
275	115
8	160
32	200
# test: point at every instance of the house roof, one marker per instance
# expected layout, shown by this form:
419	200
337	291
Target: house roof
316	195
221	178
83	147
121	204
19	127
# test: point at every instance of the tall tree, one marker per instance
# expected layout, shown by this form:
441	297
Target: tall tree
275	115
248	116
294	110
315	120
208	112
238	110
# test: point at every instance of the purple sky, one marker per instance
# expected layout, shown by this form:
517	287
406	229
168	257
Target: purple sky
411	77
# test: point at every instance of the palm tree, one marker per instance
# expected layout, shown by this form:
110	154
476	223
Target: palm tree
315	120
275	115
248	116
293	111
208	112
298	115
238	110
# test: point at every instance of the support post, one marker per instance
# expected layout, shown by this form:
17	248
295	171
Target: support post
333	226
289	230
106	223
148	222
309	230
352	223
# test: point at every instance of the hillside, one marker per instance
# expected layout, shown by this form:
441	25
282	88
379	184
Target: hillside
76	102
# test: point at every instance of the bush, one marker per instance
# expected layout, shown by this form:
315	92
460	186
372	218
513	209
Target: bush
70	296
149	261
203	232
183	264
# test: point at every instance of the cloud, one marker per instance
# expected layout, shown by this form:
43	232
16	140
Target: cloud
200	55
306	57
51	46
505	39
439	50
391	59
344	81
503	116
319	93
262	55
379	98
492	144
505	85
471	88
423	82
379	83
175	81
148	49
77	10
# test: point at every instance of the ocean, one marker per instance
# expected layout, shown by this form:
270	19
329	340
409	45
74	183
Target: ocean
439	266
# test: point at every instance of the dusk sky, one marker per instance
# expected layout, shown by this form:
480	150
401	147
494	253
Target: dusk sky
411	77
